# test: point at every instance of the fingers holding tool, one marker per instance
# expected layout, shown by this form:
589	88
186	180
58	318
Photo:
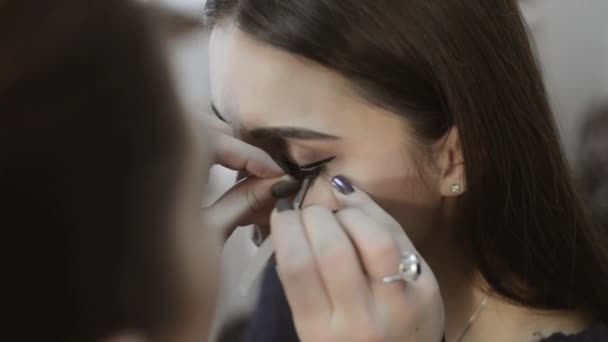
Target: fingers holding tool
347	276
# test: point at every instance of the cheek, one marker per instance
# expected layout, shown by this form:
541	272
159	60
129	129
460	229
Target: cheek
401	187
409	199
394	182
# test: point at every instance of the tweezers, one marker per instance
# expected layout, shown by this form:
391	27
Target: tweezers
298	201
266	249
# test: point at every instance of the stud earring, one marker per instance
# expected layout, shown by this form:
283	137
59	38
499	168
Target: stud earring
456	188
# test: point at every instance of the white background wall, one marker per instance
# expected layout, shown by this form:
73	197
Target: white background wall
572	40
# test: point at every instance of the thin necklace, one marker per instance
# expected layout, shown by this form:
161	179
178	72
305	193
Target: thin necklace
472	319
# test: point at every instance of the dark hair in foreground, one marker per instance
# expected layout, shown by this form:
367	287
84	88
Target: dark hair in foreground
91	141
468	64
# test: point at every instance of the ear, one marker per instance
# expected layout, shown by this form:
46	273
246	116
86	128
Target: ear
451	165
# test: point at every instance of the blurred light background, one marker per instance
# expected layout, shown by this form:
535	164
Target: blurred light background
187	46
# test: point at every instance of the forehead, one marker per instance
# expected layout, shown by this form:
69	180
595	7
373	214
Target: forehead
259	85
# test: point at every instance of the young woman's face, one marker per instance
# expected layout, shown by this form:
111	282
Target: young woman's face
256	87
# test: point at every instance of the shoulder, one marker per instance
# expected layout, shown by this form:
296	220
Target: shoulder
596	334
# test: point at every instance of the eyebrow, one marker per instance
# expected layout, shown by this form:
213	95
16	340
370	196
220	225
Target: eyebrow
292	133
282	132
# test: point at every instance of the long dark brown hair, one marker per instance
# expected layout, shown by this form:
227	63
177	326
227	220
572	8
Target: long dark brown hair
91	145
466	64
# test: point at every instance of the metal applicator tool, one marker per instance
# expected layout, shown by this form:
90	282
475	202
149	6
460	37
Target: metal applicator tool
266	249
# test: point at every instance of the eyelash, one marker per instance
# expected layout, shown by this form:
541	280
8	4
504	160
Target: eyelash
316	165
217	114
293	168
302	171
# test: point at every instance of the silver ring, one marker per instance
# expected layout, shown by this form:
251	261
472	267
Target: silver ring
409	269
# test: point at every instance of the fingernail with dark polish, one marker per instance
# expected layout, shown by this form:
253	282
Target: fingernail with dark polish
284	204
343	185
285	188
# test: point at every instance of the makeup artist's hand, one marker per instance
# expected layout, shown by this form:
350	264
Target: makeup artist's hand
331	266
251	200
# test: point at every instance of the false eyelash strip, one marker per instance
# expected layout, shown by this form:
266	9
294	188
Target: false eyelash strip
316	165
301	172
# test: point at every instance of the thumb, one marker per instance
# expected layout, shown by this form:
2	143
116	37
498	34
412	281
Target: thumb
348	196
246	200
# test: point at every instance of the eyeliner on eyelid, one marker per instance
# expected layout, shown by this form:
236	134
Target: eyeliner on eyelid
312	170
316	164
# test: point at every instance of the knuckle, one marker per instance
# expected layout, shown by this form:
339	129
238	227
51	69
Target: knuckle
314	217
349	215
382	247
253	201
313	211
428	290
329	242
335	254
370	333
359	327
297	267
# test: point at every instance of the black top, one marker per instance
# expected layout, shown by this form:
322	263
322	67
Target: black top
595	334
272	321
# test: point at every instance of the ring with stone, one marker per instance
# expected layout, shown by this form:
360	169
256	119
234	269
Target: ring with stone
409	269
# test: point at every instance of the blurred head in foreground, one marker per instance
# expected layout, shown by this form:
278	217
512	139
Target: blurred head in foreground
101	176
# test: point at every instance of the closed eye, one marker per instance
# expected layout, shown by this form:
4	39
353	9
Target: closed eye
314	166
303	171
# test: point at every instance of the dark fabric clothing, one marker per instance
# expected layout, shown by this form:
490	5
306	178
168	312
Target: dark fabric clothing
272	322
595	334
